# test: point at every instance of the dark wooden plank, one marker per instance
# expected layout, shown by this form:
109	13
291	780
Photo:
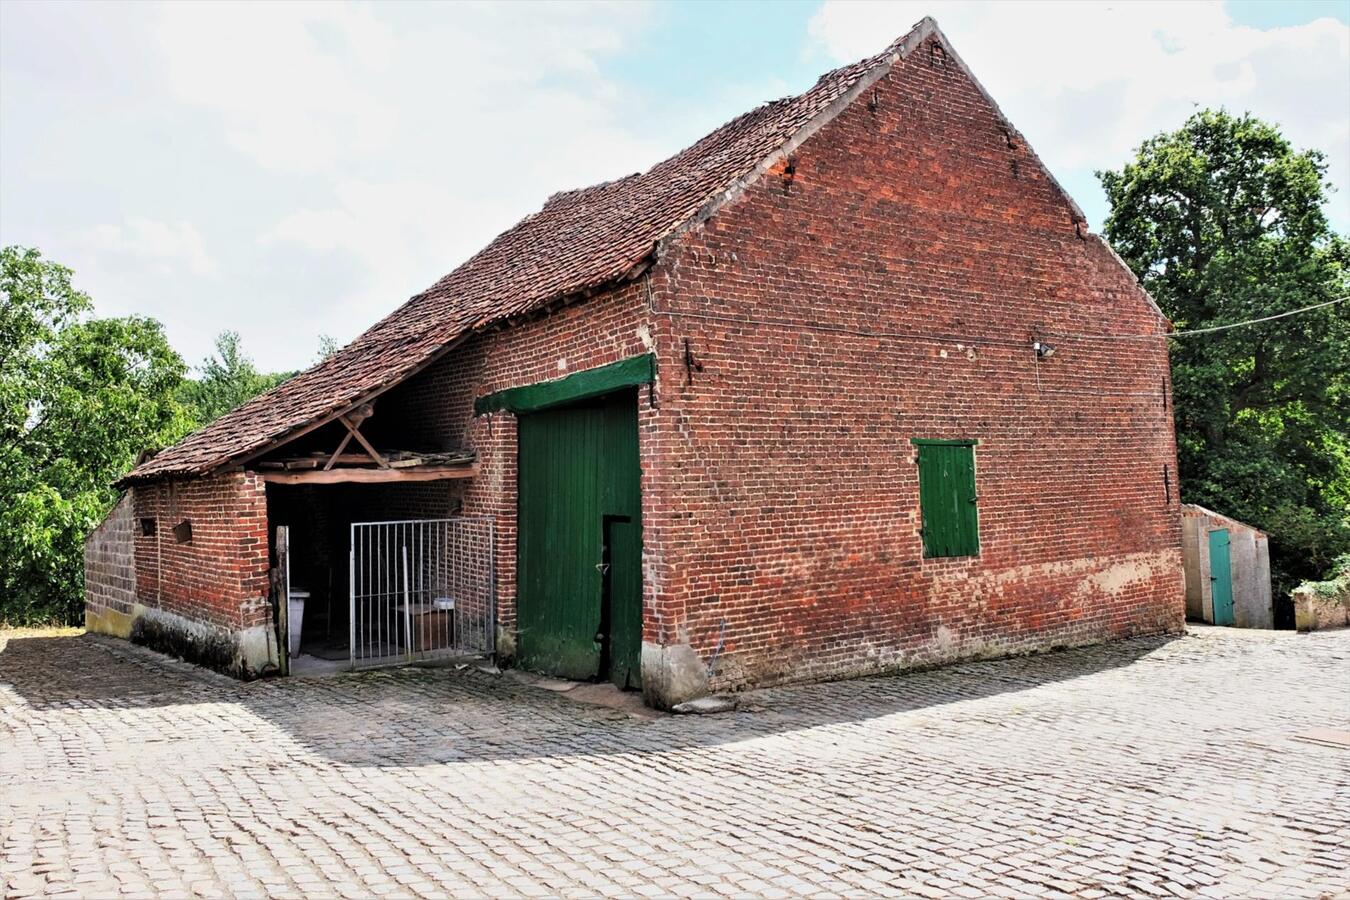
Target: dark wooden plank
371	476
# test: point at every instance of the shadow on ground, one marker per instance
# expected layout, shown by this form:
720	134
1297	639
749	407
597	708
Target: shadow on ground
411	717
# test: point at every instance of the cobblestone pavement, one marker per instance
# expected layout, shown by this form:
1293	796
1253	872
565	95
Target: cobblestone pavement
1150	768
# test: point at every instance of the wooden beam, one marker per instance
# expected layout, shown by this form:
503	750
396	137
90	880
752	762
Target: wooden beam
370	476
354	431
346	438
629	372
369	397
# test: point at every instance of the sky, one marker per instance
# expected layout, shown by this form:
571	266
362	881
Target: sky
291	171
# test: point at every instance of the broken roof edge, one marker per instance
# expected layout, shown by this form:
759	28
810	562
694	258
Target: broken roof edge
630	273
258	448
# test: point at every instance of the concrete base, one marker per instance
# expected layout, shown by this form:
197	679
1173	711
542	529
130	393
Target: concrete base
243	654
109	621
506	644
672	674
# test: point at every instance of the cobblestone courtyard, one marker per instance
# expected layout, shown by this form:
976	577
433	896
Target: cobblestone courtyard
1149	768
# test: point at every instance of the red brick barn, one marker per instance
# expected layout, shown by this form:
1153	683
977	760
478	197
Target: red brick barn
835	390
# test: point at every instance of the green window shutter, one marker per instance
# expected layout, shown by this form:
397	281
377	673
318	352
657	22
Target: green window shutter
947	498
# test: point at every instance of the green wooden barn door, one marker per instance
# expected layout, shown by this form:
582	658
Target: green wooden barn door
558	584
579	583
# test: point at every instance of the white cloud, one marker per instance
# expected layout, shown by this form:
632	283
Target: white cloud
171	247
336	158
481	114
309	87
290	81
1087	82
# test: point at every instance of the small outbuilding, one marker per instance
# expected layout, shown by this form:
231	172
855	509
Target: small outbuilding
1227	570
840	388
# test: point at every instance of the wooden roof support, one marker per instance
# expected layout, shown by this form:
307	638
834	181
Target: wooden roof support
337	454
370	476
352	421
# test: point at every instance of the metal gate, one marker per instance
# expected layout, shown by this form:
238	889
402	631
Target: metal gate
422	589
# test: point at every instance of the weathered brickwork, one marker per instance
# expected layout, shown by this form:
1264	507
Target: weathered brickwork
205	598
890	288
110	568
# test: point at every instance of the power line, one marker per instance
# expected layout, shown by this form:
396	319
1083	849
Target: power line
1292	312
934	337
1190	331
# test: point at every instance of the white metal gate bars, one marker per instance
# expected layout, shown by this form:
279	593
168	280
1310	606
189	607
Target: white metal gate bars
421	589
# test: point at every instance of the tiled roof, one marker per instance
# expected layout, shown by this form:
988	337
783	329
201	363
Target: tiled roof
580	241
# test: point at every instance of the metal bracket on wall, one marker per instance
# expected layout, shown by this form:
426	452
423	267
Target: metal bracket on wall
691	365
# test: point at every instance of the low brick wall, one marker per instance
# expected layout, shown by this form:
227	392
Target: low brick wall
110	571
1316	607
182	567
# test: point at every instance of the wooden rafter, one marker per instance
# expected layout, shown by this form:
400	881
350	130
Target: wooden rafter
337	454
243	459
352	420
355	432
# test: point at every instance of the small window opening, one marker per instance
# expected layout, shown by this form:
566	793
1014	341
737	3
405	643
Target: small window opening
148	527
182	532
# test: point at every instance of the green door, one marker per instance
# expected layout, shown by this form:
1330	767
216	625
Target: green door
579	553
1220	577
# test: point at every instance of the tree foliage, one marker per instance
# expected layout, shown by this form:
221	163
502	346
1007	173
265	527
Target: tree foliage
225	380
1222	221
79	398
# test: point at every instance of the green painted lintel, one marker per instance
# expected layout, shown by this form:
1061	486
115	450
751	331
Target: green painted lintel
946	442
629	372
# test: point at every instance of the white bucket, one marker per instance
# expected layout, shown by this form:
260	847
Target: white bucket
295	619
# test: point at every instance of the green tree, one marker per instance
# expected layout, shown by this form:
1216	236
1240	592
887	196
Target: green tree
1222	221
79	398
226	379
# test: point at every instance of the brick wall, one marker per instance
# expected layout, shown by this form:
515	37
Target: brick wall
891	289
110	568
220	576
